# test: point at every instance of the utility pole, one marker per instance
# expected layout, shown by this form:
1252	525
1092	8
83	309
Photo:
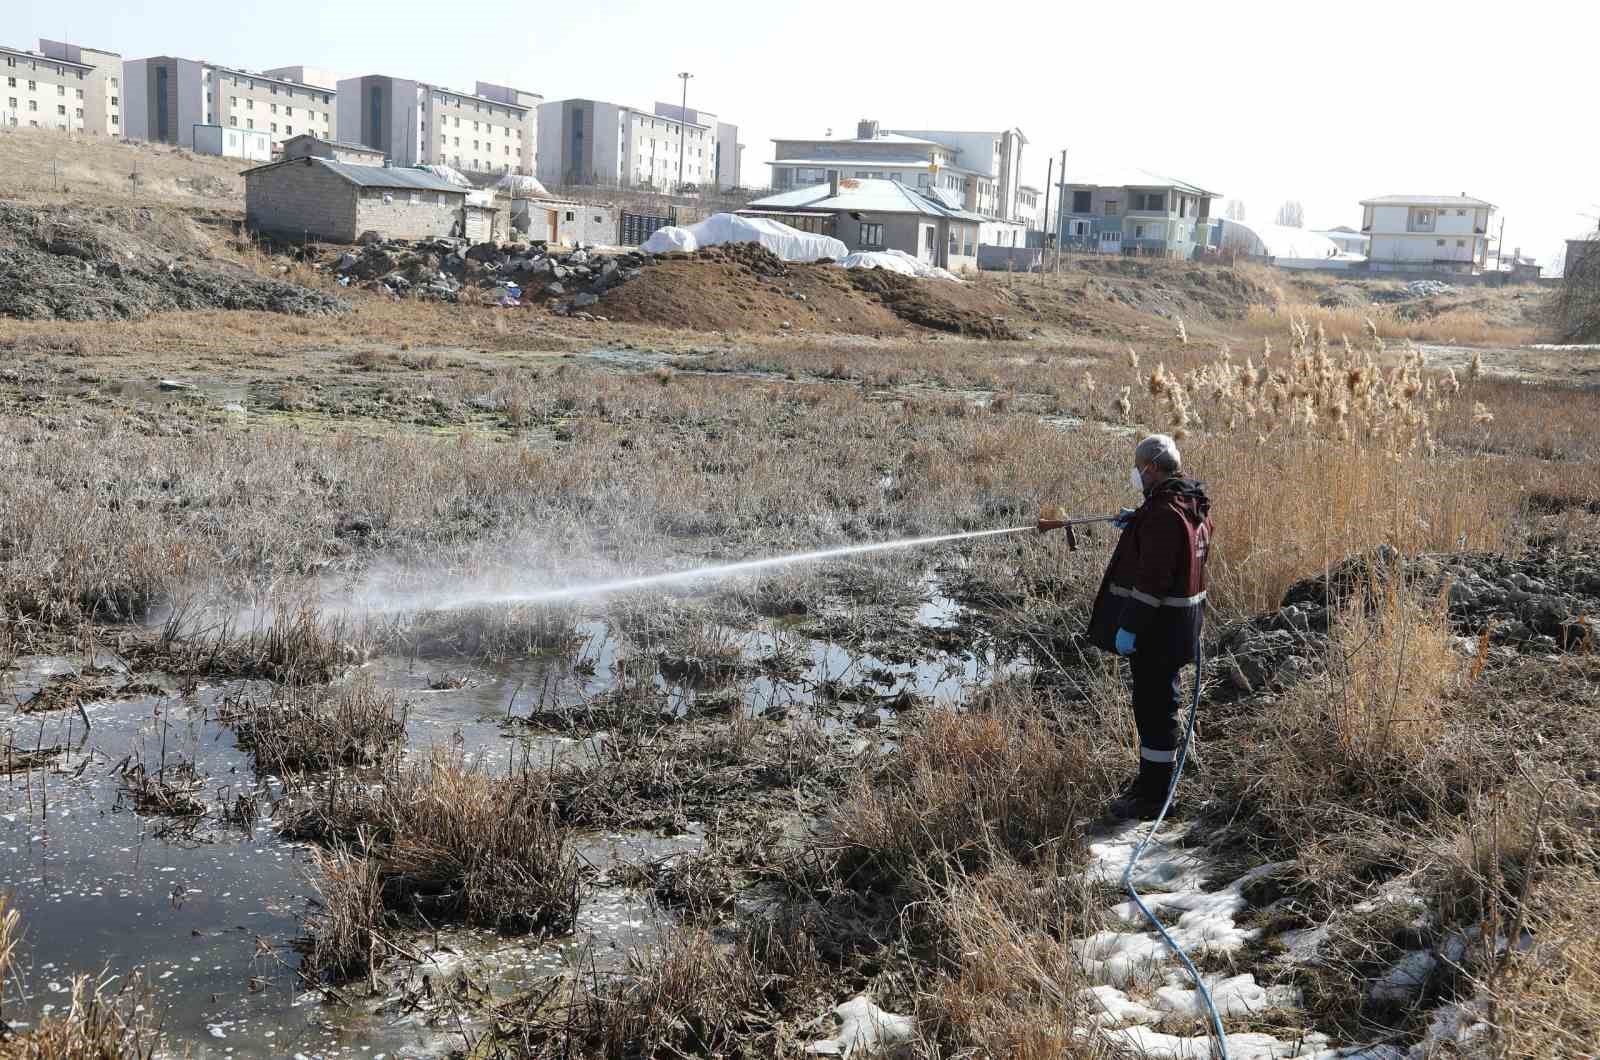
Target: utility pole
1500	249
683	127
1049	174
1060	202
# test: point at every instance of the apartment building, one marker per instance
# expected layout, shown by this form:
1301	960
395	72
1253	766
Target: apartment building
589	141
44	92
168	96
1443	233
102	88
493	129
1134	211
981	169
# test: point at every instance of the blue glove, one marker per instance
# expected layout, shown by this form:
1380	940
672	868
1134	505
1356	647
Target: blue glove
1124	517
1124	642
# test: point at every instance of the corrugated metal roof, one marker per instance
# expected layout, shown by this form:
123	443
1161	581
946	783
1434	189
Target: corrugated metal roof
372	176
1427	200
1128	177
866	196
346	144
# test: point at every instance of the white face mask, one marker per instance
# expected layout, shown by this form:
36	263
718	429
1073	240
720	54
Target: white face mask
1136	480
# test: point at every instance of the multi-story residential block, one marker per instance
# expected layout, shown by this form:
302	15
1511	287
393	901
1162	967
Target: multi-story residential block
1030	206
417	123
588	141
1445	233
982	169
1134	212
314	76
168	96
727	153
44	92
102	88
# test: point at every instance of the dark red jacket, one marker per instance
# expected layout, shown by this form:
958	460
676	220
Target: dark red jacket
1155	585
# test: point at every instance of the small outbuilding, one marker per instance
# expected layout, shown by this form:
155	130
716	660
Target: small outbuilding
321	198
874	215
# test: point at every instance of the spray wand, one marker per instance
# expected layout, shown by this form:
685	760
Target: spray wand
1054	517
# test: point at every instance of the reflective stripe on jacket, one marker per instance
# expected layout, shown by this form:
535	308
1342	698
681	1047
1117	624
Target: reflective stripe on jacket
1155	584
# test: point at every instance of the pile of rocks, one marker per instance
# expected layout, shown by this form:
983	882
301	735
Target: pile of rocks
453	270
1542	602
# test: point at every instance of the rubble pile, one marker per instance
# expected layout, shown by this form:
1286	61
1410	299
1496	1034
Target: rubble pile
453	270
1542	602
68	264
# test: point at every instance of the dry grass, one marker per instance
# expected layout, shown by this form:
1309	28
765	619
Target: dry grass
51	166
303	728
692	995
1458	326
100	1023
1014	780
1006	982
1345	763
444	839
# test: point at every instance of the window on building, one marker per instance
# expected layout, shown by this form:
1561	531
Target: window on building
1461	213
61	90
1138	231
288	130
249	123
115	102
1438	242
80	115
1459	242
249	104
80	93
33	86
288	112
871	235
33	104
114	120
1111	207
274	126
113	82
233	119
61	109
569	215
13	103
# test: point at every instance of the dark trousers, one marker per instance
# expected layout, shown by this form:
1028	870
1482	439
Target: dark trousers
1157	699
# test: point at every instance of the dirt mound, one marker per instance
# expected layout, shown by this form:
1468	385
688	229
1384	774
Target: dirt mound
1175	290
1539	603
125	265
744	287
935	304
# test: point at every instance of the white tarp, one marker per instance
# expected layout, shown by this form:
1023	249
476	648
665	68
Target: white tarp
483	197
449	173
897	261
522	186
790	244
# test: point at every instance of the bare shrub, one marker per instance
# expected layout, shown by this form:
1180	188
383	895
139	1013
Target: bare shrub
690	996
450	841
1006	976
345	936
304	727
967	787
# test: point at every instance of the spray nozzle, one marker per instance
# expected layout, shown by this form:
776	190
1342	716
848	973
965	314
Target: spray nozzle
1054	517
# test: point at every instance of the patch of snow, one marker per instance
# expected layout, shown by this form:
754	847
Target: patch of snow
1153	1045
1238	995
864	1030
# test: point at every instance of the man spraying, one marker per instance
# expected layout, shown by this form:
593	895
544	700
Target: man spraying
1150	608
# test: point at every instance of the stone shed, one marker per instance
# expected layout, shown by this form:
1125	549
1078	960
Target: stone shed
565	221
321	198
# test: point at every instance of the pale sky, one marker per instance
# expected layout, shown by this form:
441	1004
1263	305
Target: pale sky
1324	103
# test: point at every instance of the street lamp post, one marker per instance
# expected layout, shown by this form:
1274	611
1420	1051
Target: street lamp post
683	127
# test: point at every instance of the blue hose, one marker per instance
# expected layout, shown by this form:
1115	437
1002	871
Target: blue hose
1138	851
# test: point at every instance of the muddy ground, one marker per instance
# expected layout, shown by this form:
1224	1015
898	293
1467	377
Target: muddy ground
230	538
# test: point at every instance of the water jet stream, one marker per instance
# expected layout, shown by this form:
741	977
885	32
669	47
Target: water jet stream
484	599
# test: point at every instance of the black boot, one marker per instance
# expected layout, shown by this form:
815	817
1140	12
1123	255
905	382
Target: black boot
1142	800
